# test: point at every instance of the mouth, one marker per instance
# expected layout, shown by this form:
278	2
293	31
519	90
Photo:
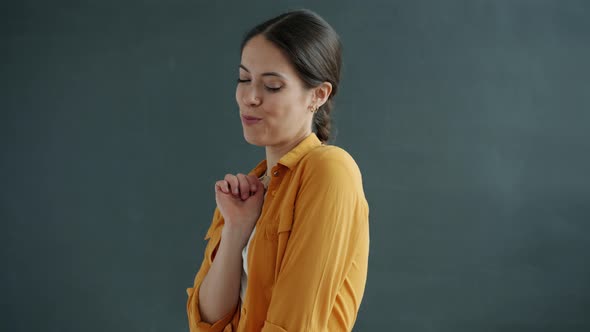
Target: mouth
250	120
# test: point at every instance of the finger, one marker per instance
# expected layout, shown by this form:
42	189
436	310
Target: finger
232	180
253	180
259	188
222	186
244	186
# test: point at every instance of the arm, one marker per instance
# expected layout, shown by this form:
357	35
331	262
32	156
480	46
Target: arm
220	290
213	256
327	252
214	298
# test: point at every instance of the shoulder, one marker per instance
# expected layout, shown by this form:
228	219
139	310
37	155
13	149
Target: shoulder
329	152
329	163
330	157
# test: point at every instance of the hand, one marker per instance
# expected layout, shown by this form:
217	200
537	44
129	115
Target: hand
239	199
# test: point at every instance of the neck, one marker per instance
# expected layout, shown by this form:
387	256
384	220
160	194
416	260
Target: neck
275	152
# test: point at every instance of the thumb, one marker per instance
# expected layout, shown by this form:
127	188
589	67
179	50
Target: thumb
259	188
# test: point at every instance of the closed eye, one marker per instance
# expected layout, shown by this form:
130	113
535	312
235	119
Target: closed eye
272	89
268	88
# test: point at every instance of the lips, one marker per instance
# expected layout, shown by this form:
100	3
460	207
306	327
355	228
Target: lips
250	120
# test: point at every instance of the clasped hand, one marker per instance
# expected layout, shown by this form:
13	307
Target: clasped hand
239	199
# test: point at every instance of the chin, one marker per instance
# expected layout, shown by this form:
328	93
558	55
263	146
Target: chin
252	139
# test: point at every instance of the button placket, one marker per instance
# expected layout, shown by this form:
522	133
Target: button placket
271	191
272	186
277	175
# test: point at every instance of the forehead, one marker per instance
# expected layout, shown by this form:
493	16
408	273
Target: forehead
260	55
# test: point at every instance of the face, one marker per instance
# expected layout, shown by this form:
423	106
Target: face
273	102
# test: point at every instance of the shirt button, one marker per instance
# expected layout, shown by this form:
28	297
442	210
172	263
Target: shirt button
274	192
275	173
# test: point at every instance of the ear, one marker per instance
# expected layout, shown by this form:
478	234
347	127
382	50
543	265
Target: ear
321	94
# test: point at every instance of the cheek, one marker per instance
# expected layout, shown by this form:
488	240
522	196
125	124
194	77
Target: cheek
238	95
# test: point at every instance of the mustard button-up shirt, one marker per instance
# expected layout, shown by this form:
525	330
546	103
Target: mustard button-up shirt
308	258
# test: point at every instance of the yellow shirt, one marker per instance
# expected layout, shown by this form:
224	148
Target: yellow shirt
308	258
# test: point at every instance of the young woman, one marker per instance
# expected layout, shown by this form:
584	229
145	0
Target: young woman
289	242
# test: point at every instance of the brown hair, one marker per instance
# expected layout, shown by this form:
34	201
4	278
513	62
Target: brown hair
314	48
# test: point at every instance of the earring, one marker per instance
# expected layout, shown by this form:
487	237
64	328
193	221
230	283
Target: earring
313	109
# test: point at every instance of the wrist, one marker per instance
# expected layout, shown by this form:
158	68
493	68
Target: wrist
234	236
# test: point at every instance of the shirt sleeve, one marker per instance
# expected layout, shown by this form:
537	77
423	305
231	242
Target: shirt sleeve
195	322
329	240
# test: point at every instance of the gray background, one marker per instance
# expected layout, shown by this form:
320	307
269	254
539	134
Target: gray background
469	120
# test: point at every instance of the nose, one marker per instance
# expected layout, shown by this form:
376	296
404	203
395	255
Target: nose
251	97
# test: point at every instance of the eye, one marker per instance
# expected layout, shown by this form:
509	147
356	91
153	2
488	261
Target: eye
242	81
271	89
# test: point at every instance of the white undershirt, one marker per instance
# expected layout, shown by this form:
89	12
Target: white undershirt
244	281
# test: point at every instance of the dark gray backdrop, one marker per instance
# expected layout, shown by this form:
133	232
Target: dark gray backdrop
469	120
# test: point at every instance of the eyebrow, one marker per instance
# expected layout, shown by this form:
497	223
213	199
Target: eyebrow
270	73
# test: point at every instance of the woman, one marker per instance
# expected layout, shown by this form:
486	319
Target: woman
289	242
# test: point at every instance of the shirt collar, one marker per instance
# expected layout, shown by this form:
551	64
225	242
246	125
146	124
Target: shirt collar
292	157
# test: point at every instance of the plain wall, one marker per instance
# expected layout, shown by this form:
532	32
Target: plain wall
469	120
